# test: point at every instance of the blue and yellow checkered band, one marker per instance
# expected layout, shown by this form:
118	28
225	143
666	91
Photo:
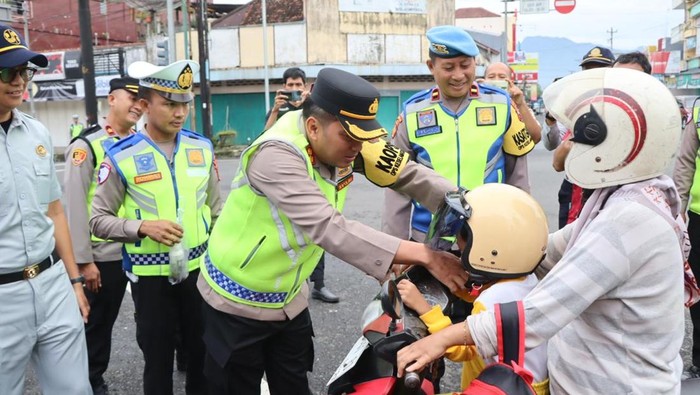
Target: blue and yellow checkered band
162	85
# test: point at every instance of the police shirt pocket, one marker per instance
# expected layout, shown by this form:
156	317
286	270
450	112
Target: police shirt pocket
42	184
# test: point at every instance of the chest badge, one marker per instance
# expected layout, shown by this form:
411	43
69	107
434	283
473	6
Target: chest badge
485	116
195	157
145	163
40	150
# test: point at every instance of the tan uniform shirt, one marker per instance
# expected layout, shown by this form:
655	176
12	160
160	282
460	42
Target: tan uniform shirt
684	171
396	216
109	197
278	172
79	174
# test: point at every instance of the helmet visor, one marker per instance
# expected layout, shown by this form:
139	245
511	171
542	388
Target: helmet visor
449	218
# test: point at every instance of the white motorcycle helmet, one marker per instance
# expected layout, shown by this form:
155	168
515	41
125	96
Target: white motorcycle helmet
624	122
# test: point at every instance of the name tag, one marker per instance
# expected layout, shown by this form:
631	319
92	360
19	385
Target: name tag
422	132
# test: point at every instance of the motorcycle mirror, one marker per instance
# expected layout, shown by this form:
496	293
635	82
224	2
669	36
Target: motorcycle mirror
391	300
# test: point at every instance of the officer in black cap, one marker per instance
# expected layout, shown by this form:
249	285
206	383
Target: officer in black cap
282	213
597	57
99	260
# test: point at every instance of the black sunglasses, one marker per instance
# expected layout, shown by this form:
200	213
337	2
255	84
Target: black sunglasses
9	75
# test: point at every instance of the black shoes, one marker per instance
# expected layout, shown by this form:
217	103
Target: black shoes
325	295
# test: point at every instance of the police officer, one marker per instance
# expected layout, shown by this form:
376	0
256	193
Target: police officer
282	213
76	127
155	174
687	179
465	131
99	260
41	299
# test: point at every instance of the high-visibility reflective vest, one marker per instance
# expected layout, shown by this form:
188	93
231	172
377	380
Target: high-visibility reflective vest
465	148
257	256
694	205
155	188
75	129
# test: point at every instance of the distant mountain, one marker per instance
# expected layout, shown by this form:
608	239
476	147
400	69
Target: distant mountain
558	56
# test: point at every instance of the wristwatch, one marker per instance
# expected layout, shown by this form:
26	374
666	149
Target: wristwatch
79	279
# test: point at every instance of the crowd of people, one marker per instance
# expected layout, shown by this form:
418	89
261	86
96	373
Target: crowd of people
226	281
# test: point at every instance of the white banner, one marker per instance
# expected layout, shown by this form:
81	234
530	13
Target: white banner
397	6
534	6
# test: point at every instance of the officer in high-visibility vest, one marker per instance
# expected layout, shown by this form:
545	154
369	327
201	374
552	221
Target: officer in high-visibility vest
165	181
99	261
76	127
686	176
466	132
283	211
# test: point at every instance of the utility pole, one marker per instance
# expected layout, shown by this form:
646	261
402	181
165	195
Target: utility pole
204	94
612	32
88	61
504	52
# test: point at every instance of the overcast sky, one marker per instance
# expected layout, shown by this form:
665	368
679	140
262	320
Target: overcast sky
638	22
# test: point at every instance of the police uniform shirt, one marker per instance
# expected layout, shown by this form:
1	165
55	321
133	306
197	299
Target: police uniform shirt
28	184
109	197
77	178
396	217
299	197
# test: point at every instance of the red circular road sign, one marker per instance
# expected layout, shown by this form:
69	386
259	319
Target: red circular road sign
564	6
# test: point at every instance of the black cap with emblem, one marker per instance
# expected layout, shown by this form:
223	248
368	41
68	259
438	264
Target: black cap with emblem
126	83
352	100
14	51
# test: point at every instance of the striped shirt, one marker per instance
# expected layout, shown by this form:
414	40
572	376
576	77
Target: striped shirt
612	307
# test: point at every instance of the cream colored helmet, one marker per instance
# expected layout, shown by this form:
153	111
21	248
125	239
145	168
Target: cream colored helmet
624	122
505	233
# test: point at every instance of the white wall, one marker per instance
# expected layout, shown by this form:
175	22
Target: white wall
224	52
366	48
403	48
290	44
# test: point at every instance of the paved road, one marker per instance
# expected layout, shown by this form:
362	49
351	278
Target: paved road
336	325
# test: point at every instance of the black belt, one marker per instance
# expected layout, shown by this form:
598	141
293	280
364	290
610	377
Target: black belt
29	272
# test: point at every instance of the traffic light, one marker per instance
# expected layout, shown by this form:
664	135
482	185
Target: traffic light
162	53
18	5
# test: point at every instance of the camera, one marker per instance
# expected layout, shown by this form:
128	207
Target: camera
292	96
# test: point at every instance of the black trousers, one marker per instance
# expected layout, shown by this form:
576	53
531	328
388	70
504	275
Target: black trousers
104	309
317	275
564	202
160	306
240	350
694	261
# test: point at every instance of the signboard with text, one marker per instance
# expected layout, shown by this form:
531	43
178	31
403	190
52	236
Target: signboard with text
525	65
394	6
534	6
54	70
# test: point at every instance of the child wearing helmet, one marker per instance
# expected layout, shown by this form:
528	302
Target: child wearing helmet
610	301
502	234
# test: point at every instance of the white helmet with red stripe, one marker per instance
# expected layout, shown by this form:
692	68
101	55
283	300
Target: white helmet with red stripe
624	122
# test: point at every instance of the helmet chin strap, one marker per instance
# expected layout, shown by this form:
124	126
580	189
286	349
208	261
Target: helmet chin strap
477	282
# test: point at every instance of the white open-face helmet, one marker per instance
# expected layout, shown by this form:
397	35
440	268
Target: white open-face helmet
624	122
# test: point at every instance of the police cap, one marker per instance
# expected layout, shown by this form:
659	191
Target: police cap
127	83
14	51
352	100
173	82
599	55
450	41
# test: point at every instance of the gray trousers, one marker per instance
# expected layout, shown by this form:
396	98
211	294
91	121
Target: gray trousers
40	320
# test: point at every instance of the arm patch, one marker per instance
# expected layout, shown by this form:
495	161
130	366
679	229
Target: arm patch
382	162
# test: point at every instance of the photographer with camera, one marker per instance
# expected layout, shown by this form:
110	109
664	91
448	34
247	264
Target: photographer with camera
290	97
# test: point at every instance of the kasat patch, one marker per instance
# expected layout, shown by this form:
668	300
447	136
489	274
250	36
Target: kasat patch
78	157
145	163
103	173
195	157
148	178
485	116
344	182
426	118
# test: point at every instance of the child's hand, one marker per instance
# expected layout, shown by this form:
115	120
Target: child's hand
412	297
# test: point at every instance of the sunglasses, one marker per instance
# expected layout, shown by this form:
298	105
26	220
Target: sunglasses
9	75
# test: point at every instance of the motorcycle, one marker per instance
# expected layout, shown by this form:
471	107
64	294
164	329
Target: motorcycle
387	326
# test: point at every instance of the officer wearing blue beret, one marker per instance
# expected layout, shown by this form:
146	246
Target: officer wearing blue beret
467	132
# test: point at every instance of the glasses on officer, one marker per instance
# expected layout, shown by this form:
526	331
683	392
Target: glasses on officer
8	75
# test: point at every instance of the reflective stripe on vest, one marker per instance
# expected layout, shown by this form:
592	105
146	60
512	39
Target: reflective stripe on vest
257	255
465	148
694	204
154	190
75	130
99	141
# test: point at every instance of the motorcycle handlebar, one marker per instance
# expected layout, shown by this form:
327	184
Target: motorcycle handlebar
412	380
